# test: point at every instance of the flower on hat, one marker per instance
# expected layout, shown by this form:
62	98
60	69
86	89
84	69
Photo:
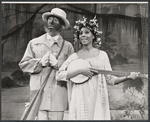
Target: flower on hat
91	25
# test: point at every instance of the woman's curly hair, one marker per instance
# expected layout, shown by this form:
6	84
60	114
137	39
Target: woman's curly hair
92	26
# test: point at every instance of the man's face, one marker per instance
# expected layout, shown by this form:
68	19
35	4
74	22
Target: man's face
53	23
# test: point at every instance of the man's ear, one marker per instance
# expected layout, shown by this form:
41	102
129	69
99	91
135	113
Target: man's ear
63	26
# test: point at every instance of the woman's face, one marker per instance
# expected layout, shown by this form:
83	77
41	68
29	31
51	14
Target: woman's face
85	36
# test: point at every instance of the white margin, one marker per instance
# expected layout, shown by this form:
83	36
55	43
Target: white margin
69	2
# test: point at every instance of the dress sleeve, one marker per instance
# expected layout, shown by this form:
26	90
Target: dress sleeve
107	66
61	74
70	50
29	63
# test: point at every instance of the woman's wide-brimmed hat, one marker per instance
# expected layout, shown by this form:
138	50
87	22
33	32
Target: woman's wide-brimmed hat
58	13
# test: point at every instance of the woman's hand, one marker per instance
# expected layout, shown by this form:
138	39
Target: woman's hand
133	75
89	72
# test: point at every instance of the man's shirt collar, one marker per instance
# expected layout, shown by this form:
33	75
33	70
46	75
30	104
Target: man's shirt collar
57	39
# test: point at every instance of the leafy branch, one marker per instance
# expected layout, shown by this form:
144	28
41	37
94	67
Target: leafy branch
137	84
25	23
18	12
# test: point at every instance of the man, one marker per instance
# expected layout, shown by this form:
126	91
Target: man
39	55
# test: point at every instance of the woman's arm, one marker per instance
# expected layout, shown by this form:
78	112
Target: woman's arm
72	74
89	72
132	76
62	73
113	80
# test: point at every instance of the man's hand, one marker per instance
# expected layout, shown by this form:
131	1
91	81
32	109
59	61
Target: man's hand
52	60
45	59
27	104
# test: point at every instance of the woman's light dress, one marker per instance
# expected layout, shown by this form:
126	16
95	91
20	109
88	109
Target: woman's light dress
89	101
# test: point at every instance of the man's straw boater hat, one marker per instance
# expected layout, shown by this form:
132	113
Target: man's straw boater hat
58	13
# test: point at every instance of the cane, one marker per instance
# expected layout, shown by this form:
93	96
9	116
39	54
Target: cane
31	112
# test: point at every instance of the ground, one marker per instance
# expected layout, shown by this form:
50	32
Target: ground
13	103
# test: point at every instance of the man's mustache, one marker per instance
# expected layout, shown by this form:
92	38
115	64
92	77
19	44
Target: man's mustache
52	26
49	26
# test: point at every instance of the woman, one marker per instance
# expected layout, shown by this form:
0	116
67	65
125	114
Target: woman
89	100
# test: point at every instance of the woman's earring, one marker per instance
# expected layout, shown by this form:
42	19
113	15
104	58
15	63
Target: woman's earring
98	42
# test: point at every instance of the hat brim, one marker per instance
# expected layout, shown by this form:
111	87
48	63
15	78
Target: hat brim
45	15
